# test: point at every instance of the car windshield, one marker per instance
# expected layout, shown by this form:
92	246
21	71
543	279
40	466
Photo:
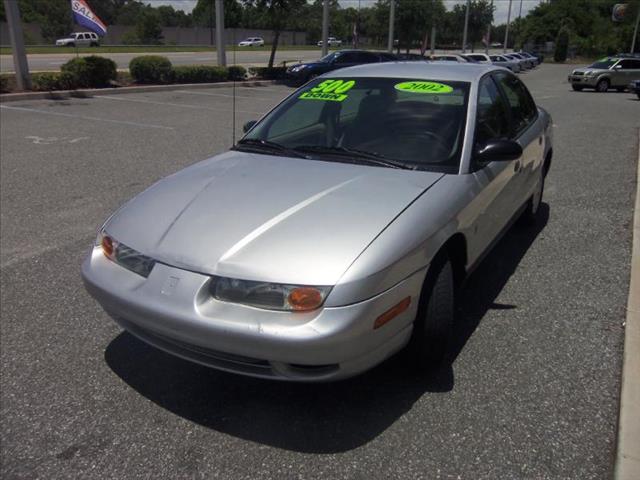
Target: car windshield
393	122
329	57
604	64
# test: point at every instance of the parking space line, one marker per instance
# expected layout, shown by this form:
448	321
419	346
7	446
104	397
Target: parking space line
84	117
169	104
209	94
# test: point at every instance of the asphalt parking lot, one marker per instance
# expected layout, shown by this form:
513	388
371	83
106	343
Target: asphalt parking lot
531	392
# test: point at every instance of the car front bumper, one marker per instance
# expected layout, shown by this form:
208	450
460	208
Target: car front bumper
587	81
173	310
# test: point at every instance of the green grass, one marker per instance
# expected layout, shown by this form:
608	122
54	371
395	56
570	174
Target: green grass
151	49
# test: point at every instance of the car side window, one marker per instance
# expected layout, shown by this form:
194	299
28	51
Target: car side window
630	64
492	120
347	58
520	103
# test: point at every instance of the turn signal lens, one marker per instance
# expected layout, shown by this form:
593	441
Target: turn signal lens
392	313
107	246
305	298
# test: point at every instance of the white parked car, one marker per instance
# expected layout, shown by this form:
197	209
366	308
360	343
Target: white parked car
79	39
252	42
332	42
477	57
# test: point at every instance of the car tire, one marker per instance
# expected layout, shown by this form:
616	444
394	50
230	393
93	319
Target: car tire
603	85
577	88
530	214
433	326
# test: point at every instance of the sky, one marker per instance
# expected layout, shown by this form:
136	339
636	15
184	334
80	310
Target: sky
500	15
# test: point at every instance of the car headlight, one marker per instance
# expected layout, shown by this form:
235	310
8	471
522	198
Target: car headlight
271	296
125	256
297	68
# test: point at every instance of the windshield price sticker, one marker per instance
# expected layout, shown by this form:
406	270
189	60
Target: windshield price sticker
423	87
329	90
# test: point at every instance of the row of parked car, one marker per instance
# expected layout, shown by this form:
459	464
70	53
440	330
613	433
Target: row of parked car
303	72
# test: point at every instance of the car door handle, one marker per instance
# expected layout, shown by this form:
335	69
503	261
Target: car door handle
516	166
540	141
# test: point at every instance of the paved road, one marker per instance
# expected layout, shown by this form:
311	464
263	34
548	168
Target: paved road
42	62
532	391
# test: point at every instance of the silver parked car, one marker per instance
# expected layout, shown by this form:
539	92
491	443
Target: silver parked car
336	232
612	72
501	61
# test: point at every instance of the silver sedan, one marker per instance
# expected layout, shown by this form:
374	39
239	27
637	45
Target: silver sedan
337	231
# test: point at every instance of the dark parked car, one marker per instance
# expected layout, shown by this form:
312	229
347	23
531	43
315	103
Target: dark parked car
634	87
303	72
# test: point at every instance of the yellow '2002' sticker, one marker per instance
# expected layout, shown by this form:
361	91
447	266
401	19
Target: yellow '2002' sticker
329	90
423	87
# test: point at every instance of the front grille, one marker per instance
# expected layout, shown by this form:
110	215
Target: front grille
199	354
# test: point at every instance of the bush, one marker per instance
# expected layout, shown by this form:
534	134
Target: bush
4	84
92	72
151	69
266	73
236	72
199	74
562	45
45	82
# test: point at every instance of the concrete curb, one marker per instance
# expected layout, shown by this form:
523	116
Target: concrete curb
89	92
627	465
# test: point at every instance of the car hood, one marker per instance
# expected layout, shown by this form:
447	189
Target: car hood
265	217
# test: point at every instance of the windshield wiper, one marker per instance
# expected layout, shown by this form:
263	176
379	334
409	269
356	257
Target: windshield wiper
370	157
272	147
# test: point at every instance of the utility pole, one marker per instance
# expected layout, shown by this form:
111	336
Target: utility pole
433	38
519	24
506	32
392	21
466	27
211	23
325	27
222	57
635	32
12	12
488	40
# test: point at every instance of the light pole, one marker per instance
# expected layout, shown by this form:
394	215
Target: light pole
12	12
325	27
222	58
506	32
488	38
635	32
466	27
392	21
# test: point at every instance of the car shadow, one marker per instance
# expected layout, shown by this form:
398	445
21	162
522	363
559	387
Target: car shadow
314	418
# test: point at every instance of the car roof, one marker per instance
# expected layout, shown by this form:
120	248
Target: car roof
452	71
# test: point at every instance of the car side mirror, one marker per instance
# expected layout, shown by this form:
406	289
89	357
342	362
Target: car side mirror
249	125
501	150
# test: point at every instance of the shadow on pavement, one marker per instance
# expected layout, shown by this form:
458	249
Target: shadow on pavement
313	418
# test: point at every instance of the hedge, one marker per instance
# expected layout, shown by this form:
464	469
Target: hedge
89	72
273	73
4	84
236	72
151	69
199	74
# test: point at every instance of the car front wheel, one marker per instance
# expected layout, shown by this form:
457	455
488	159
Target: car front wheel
433	326
602	86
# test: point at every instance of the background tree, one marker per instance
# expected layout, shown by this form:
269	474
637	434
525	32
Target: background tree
275	14
204	13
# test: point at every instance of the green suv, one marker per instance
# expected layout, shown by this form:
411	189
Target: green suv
611	72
